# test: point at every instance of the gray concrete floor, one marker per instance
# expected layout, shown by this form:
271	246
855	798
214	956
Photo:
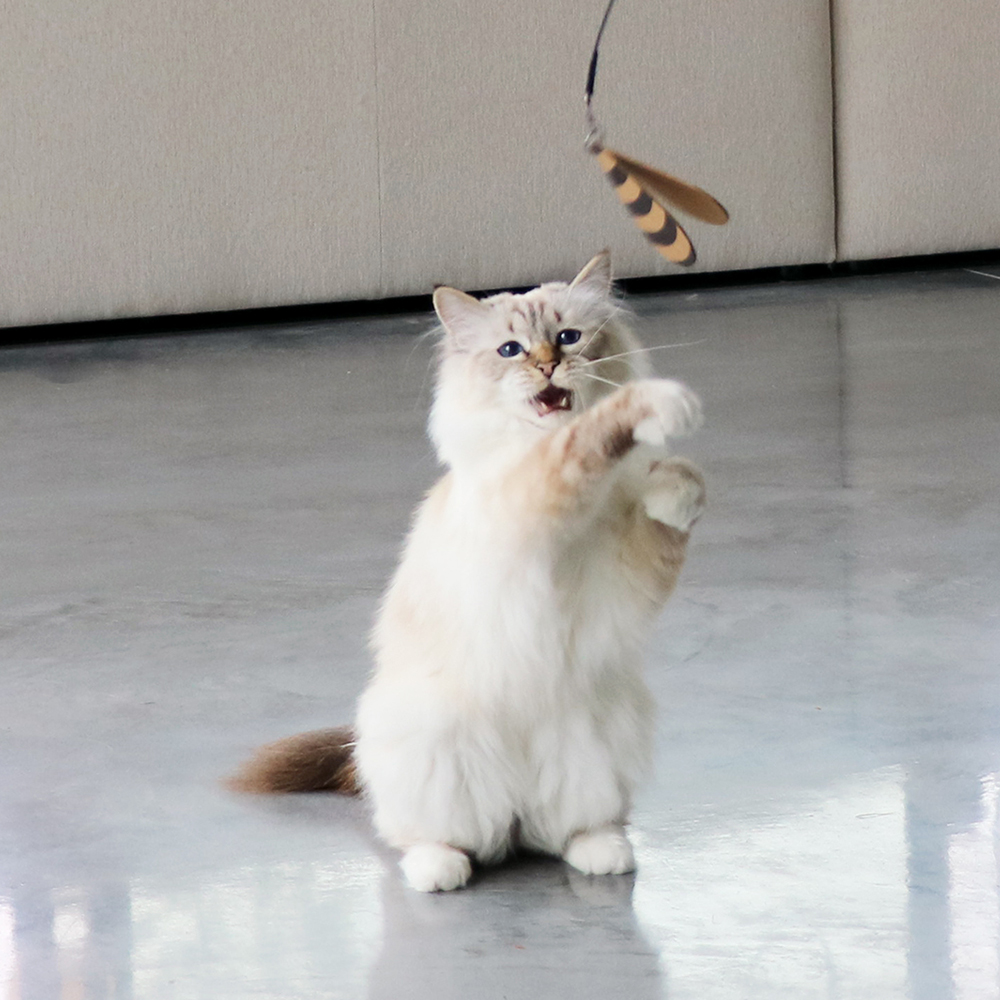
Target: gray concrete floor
194	533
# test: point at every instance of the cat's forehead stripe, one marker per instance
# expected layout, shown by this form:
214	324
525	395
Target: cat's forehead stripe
532	316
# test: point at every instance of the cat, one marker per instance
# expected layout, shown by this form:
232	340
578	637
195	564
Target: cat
507	708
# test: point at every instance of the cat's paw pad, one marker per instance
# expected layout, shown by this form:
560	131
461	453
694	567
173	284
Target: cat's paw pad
436	867
605	851
675	494
666	409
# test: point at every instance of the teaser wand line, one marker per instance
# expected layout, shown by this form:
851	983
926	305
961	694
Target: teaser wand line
644	190
594	128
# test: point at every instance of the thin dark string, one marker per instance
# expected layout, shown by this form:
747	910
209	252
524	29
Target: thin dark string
592	72
594	130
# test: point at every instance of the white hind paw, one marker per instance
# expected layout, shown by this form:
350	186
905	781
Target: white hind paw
436	867
605	851
674	494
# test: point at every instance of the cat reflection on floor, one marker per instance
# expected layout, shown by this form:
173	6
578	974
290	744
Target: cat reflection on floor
507	707
568	937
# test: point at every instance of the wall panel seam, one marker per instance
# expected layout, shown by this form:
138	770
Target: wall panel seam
834	136
378	150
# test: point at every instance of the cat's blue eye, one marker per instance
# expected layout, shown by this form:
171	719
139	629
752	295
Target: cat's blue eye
567	337
510	350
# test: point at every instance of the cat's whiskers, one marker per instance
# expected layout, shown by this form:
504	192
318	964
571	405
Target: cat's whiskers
642	350
598	378
590	340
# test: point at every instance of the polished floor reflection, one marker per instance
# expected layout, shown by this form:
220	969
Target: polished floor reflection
195	532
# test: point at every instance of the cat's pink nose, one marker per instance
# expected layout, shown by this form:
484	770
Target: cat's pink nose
546	367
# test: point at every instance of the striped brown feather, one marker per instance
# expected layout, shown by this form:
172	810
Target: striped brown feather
689	199
656	223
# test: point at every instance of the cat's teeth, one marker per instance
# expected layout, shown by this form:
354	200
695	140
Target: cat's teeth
551	399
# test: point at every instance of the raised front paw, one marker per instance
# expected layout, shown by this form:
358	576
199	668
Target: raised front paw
664	409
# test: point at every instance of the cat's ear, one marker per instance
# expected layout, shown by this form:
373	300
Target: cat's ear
595	277
461	315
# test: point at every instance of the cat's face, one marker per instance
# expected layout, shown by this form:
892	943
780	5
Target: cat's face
532	359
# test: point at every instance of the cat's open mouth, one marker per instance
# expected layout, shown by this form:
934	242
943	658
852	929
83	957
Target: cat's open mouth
551	399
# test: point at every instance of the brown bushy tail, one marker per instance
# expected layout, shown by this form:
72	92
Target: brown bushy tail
317	761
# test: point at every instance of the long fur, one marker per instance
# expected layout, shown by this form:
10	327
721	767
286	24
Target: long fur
321	760
507	706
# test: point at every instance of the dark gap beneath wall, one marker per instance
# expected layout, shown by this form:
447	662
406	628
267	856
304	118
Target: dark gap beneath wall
206	322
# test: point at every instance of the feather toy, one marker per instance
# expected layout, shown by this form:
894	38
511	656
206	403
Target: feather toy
645	191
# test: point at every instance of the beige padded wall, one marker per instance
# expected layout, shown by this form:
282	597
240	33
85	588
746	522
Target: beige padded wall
197	155
165	157
918	126
484	177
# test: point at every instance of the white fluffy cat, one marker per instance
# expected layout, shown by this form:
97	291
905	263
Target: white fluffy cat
507	707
